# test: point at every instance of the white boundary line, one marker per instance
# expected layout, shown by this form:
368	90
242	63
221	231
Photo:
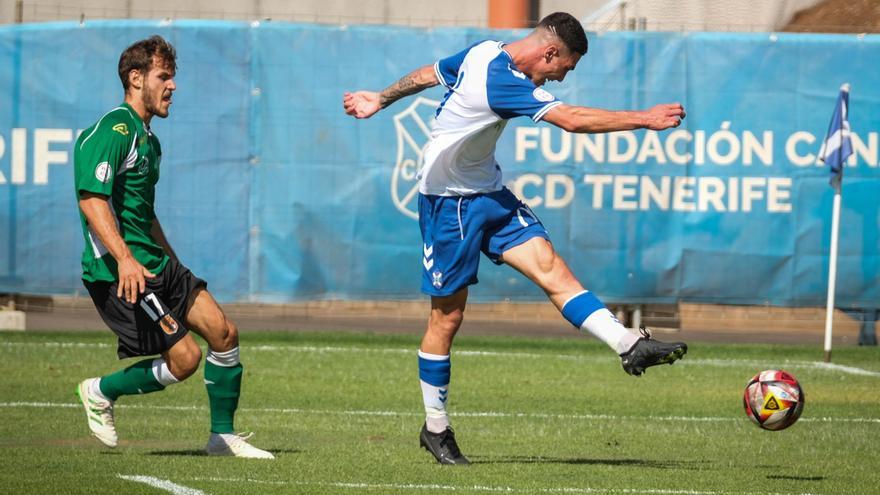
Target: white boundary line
753	364
161	484
462	414
482	488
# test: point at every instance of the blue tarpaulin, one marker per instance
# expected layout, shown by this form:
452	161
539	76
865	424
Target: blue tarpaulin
271	193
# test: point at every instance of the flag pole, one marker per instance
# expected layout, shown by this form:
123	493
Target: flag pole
832	271
835	150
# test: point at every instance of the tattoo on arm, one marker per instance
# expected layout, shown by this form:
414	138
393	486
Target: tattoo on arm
409	84
403	87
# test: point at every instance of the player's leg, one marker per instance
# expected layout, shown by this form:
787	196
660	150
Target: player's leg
540	263
451	232
435	367
537	260
435	371
223	373
143	329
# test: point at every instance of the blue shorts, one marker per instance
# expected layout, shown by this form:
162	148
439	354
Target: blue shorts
456	228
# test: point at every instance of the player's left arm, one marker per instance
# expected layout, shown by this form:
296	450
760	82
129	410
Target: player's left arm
364	104
159	236
590	120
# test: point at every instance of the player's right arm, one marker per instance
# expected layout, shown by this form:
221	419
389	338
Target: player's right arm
100	218
364	104
98	155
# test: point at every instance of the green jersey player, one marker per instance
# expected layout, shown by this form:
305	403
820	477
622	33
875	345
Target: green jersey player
142	292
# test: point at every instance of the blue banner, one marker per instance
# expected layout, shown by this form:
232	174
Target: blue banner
271	193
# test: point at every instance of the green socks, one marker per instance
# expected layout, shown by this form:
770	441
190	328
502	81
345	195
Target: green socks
136	379
223	381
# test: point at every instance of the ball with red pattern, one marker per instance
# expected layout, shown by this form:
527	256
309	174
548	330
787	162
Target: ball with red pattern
773	400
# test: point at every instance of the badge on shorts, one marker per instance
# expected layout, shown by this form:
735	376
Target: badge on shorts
169	324
437	278
154	309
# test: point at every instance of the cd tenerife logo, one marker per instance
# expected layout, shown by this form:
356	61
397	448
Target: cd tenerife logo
413	130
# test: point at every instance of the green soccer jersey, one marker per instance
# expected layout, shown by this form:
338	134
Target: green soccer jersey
119	157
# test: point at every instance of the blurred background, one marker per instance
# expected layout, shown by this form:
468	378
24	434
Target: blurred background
825	16
302	218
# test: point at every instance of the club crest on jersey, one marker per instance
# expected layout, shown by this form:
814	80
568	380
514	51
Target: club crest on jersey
541	94
102	172
144	167
121	129
413	128
437	279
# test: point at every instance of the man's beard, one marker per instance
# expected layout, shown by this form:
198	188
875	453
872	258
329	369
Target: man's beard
154	106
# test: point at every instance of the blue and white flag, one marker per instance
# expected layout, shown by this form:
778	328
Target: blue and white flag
838	144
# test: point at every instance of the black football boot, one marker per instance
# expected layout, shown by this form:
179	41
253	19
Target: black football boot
648	352
442	446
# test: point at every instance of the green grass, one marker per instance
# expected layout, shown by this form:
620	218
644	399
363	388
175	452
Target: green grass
341	412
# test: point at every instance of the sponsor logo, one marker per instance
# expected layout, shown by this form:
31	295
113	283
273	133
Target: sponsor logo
542	95
121	129
102	172
437	278
413	128
427	261
772	404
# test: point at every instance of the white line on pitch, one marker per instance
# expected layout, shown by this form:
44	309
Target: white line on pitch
480	488
161	484
757	365
463	414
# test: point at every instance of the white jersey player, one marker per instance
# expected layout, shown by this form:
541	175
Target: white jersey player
464	209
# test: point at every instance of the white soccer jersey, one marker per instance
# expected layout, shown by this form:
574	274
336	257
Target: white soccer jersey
484	90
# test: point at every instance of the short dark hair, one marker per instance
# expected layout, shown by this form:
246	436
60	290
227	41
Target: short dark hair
139	56
568	29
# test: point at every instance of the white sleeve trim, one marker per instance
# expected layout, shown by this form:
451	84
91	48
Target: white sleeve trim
540	115
439	75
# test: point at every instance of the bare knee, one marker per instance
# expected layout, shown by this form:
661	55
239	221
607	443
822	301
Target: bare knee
442	327
184	361
228	338
446	323
222	335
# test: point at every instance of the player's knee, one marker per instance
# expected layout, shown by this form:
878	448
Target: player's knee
230	335
447	323
223	335
185	363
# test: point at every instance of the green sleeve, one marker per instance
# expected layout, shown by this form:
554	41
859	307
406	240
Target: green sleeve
100	154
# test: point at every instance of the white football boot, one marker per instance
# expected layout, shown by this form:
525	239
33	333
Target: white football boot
99	414
235	444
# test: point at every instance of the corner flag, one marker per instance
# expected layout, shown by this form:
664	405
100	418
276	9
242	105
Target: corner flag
835	150
838	144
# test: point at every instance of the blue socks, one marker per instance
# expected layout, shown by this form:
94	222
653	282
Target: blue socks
434	374
586	312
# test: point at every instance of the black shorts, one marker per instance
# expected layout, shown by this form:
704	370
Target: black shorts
155	322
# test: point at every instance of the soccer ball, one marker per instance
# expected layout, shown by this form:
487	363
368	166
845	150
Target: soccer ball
773	399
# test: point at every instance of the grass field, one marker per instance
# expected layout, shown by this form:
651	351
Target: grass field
342	411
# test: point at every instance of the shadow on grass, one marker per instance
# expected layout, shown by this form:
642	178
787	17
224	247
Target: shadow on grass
576	461
201	453
795	478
